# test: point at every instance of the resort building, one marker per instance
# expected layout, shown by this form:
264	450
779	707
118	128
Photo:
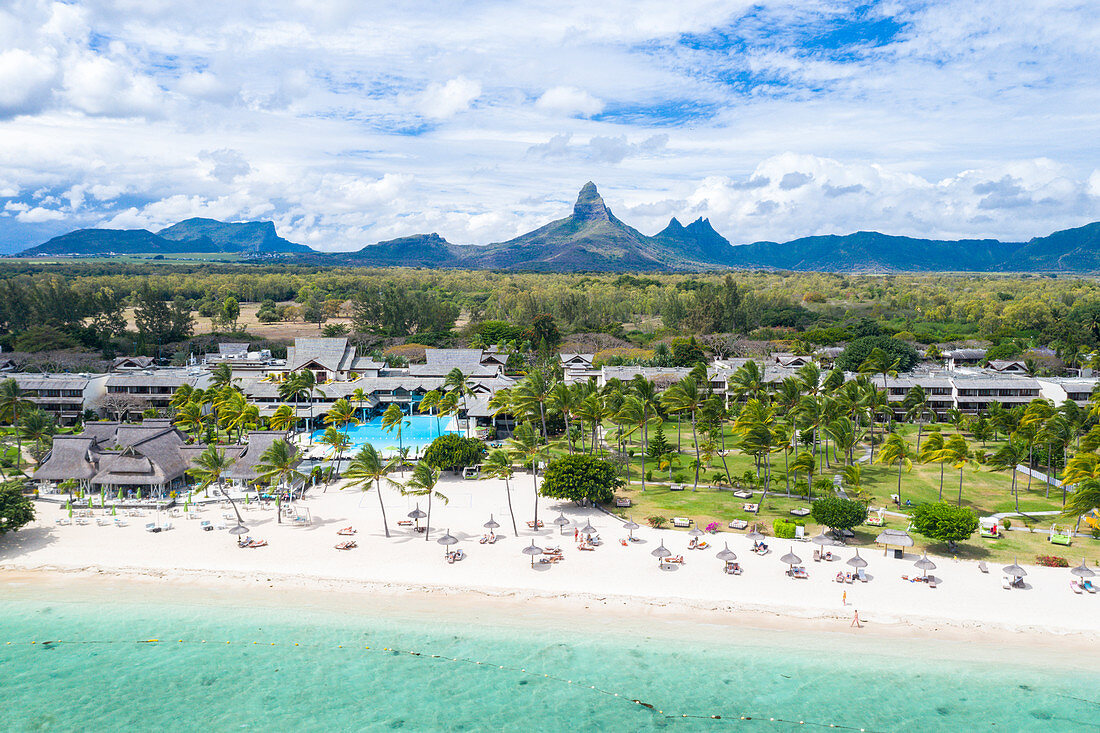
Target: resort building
974	394
471	362
330	360
1058	390
963	358
65	397
241	359
132	392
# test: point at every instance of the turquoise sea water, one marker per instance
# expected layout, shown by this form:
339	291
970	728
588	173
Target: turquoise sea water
418	434
102	678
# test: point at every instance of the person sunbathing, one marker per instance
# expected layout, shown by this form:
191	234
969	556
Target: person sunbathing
346	531
693	543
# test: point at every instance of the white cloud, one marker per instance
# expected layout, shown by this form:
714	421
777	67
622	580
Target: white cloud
38	214
569	101
102	86
25	82
440	101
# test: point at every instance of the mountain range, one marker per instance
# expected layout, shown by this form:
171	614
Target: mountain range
592	239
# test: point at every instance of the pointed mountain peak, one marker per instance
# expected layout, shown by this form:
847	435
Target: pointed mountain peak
590	206
674	225
701	225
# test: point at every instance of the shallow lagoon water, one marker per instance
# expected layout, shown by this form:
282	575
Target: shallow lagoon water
322	669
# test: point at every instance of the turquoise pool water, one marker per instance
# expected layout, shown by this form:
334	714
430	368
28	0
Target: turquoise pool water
417	435
349	670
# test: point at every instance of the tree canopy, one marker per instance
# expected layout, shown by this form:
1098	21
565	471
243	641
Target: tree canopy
838	514
16	510
579	478
453	451
857	352
944	522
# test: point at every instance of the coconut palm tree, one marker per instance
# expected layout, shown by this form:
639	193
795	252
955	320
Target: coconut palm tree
843	432
930	453
38	427
525	444
191	418
879	362
646	393
210	467
422	482
283	418
531	395
360	397
338	442
13	402
498	464
221	376
562	398
279	466
341	415
394	419
1008	457
366	468
957	452
747	381
805	463
895	451
429	403
181	396
457	384
917	407
684	396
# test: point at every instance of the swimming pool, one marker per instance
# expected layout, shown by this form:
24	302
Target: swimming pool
416	435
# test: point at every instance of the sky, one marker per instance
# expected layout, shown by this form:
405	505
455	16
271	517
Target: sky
349	122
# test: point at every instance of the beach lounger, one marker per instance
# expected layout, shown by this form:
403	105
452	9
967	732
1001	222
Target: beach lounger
817	555
676	487
800	573
102	521
257	543
346	531
681	522
739	524
1006	583
751	508
531	524
64	521
404	523
1087	585
861	575
1075	587
931	581
349	545
622	503
120	522
983	567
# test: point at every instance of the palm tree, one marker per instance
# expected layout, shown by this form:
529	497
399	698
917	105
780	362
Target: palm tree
562	398
879	362
805	463
181	396
531	396
747	381
221	376
12	403
498	464
957	452
458	385
1008	457
38	427
339	443
1085	498
843	432
429	403
341	415
360	397
283	418
916	406
394	419
684	396
853	477
591	411
190	417
422	483
367	467
279	466
896	451
931	453
210	467
525	443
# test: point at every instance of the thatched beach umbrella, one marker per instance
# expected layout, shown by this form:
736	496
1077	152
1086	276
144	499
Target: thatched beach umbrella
791	559
661	552
447	540
823	540
1082	570
416	515
588	529
755	536
238	530
532	550
630	527
925	564
695	532
857	561
893	537
491	524
562	522
1014	569
726	554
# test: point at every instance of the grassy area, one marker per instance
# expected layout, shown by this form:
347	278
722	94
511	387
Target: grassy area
984	491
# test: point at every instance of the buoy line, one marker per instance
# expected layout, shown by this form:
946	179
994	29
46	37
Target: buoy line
656	709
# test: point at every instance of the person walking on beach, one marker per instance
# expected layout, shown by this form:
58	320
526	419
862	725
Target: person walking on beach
855	621
844	599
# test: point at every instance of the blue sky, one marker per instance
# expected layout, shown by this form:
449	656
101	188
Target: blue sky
348	122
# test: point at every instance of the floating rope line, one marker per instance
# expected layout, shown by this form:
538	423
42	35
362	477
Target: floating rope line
656	709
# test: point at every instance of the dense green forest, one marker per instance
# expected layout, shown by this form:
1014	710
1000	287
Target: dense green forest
83	304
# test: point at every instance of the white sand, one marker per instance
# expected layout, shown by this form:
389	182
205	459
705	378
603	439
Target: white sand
966	602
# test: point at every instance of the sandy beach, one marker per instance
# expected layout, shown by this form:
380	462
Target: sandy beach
623	580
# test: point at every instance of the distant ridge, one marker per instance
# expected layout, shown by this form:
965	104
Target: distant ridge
592	239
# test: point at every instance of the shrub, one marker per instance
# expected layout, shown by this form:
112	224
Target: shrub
943	522
649	475
656	521
454	452
836	513
784	529
1051	561
1006	523
581	478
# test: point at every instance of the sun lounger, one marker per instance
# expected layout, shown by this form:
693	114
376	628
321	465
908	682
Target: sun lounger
983	567
1006	583
404	523
64	521
681	522
257	543
622	502
739	524
120	522
1075	587
861	575
676	487
817	555
751	508
931	581
102	521
346	531
1087	585
799	572
742	494
349	545
531	524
